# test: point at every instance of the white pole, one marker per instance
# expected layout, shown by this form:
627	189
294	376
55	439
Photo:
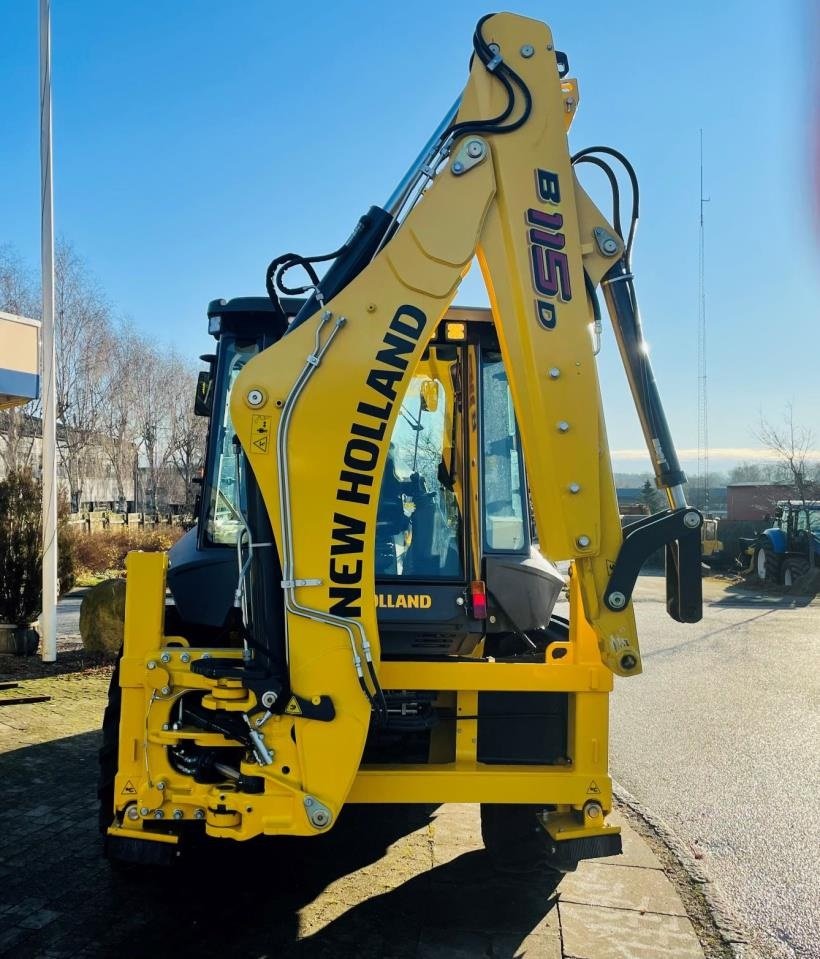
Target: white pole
48	621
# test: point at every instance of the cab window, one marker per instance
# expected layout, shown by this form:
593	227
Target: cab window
419	520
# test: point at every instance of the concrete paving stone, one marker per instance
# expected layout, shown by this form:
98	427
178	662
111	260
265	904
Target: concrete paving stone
38	919
636	851
492	905
598	932
530	947
453	944
643	890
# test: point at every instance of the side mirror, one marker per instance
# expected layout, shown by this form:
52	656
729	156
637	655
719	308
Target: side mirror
429	396
204	400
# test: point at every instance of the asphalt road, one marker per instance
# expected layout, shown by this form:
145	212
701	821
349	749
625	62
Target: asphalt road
719	737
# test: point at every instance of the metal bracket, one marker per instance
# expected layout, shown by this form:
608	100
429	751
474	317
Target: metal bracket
319	815
607	243
679	531
473	150
294	583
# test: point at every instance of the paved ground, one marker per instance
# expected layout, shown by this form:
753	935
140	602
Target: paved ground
408	884
719	736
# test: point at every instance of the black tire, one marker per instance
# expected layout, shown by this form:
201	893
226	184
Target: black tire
767	564
108	754
793	569
515	840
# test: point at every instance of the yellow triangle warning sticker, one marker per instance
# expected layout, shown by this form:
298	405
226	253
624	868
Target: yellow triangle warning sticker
293	708
128	789
260	430
593	788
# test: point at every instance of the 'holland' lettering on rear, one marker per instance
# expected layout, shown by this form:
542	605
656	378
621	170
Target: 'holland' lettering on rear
548	264
361	456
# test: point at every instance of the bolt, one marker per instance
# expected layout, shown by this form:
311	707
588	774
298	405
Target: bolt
165	690
574	488
549	46
161	785
692	520
255	398
458	167
152	664
628	661
583	541
133	812
494	47
371	307
554	373
159	814
185	657
459	601
527	51
199	814
178	814
617	600
320	818
492	619
165	727
308	801
475	148
268	698
166	657
594	810
609	246
563	426
144	811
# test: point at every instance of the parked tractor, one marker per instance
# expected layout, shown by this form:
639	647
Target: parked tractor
789	549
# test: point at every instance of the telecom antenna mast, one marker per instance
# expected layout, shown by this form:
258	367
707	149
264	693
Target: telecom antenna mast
703	396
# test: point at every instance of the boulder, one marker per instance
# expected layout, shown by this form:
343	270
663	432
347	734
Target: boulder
102	617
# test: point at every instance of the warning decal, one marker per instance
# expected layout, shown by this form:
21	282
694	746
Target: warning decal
128	789
593	788
260	432
293	708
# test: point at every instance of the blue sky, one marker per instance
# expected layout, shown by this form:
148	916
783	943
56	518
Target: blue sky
195	140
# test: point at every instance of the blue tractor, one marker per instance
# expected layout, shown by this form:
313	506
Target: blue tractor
790	548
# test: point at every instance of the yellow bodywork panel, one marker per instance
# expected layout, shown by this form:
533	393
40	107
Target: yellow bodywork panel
314	414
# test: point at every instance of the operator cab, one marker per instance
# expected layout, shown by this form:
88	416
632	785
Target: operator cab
454	558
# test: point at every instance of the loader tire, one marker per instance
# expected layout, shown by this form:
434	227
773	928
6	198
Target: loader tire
108	754
515	840
793	569
767	564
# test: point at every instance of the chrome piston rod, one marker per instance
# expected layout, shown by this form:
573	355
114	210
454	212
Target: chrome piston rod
398	197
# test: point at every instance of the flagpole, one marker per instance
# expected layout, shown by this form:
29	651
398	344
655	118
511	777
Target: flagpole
48	620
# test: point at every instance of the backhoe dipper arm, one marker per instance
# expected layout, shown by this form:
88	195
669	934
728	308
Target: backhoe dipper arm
315	412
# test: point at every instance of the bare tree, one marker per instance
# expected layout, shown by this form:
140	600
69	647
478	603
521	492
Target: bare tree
119	413
188	431
791	445
153	417
83	339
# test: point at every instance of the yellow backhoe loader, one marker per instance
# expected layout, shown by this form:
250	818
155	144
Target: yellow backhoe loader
362	615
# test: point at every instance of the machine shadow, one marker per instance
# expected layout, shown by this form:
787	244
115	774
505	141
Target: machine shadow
459	908
235	899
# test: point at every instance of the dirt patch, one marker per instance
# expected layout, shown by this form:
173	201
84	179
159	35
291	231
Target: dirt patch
18	668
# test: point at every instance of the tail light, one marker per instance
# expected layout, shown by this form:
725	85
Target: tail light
478	595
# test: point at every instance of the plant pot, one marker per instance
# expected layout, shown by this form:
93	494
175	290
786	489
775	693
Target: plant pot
26	639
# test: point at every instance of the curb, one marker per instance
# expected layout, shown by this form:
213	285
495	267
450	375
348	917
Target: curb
726	924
